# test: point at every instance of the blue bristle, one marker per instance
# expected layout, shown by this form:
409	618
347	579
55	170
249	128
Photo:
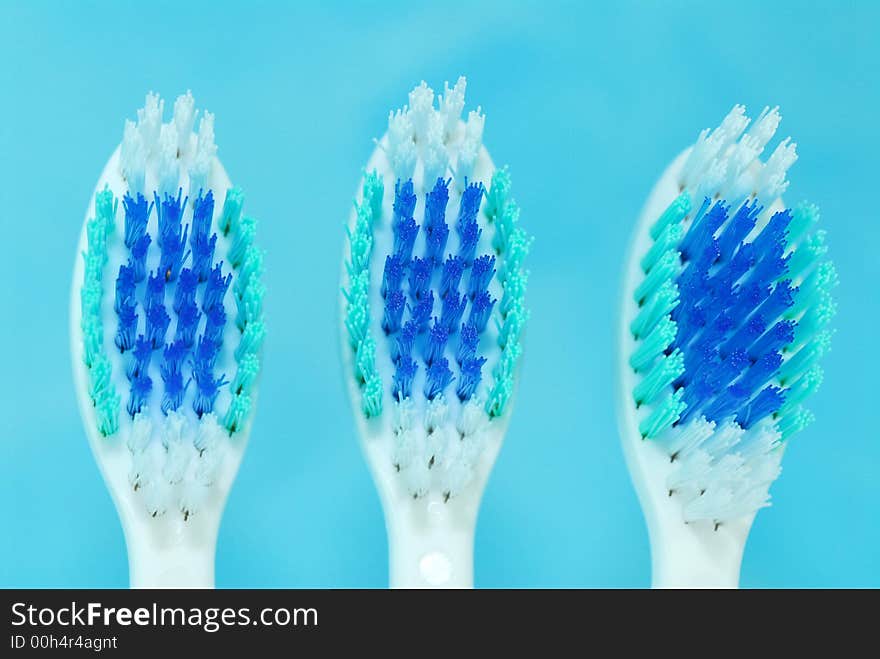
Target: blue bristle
215	289
481	310
157	324
745	300
405	233
137	260
170	213
471	374
175	390
141	386
452	310
729	294
467	343
394	306
392	276
422	311
419	277
772	236
126	328
404	373
468	237
740	225
172	376
203	257
481	274
702	229
404	202
776	338
207	388
137	212
436	345
453	267
125	287
727	402
185	292
437	378
761	371
205	354
764	404
403	343
404	333
187	323
203	212
435	205
140	358
779	300
214	324
172	257
469	207
173	356
435	243
155	294
745	335
436	229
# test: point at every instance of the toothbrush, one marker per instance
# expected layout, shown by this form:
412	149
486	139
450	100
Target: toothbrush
165	333
725	312
432	311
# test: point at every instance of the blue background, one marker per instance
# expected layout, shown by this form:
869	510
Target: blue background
587	104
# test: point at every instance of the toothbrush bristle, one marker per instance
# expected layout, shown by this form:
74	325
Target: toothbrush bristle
173	266
733	305
435	292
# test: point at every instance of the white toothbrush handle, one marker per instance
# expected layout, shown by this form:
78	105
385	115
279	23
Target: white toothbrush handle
430	546
698	555
175	567
168	552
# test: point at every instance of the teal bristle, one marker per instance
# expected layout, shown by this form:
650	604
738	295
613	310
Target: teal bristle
664	372
674	214
653	345
659	304
231	214
498	196
663	415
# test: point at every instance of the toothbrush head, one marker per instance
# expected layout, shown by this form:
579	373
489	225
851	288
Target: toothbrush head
725	317
432	302
166	322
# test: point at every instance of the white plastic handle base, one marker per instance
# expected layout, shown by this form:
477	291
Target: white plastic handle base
430	545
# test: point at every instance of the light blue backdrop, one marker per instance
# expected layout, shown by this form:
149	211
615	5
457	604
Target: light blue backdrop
587	104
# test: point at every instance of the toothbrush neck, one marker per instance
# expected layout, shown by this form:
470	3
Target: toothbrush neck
698	555
171	553
431	545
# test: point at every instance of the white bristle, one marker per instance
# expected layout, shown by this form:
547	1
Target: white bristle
451	106
418	477
473	417
184	120
470	147
178	447
133	157
711	145
150	121
724	473
773	182
402	154
435	155
210	446
200	167
404	448
421	110
436	413
405	415
167	164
